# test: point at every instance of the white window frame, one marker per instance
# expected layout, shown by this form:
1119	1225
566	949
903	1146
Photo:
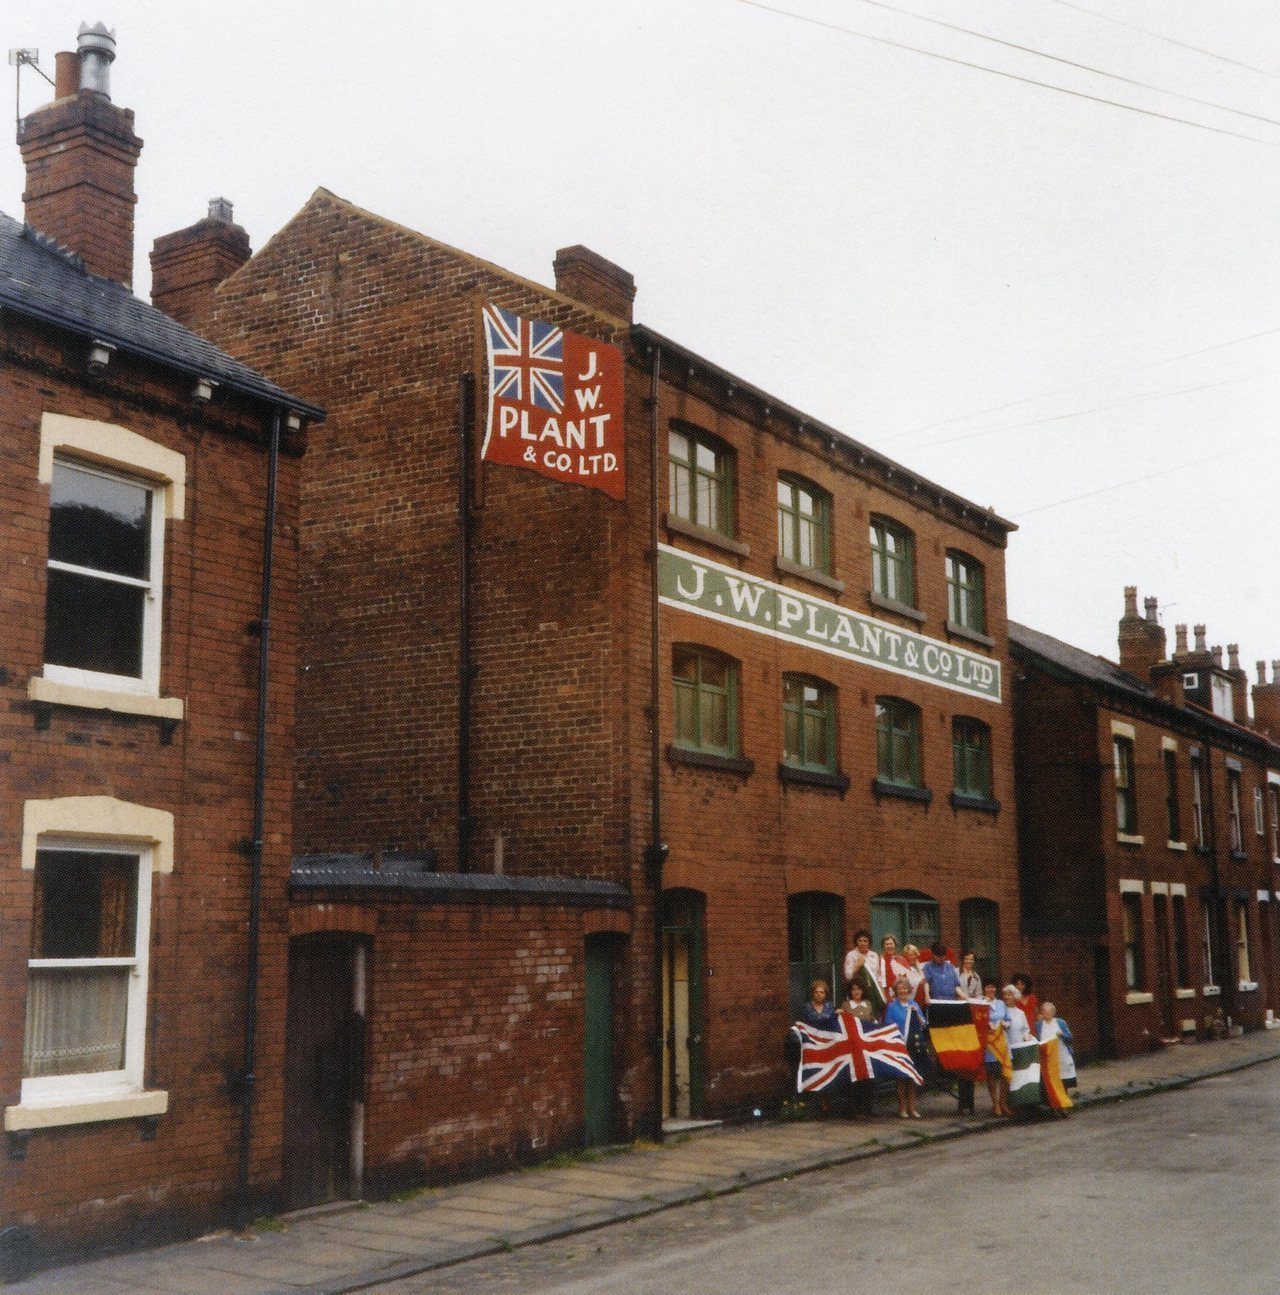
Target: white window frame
46	1089
1259	816
148	682
1197	797
100	824
1235	811
1244	963
1273	794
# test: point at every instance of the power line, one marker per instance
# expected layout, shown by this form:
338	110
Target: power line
1010	76
1095	409
1169	40
1058	391
1134	481
1067	62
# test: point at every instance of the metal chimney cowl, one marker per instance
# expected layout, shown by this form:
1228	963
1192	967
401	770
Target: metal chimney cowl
97	49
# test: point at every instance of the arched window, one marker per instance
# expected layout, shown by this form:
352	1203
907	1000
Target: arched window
804	524
966	592
980	931
814	946
910	916
898	742
893	561
706	700
700	472
809	723
971	757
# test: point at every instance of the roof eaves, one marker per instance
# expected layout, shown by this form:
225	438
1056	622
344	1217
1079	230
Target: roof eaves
643	334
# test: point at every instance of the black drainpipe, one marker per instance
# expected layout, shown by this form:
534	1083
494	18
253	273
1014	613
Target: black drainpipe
248	1078
656	852
466	823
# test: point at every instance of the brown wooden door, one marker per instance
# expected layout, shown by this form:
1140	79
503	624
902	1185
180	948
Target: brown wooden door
324	1070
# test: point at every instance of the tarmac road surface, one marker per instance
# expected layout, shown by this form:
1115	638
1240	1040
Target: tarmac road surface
1176	1193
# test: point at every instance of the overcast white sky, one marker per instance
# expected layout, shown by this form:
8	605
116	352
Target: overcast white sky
892	242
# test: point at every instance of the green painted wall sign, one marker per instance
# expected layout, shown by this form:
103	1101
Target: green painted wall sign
709	589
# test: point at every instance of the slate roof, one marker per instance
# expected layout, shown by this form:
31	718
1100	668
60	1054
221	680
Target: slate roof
1098	670
1077	660
43	281
413	873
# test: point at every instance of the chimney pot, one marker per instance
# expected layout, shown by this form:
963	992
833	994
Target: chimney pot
1233	656
1180	638
66	74
1216	653
1275	672
1200	638
1150	604
222	209
1262	674
97	49
1131	600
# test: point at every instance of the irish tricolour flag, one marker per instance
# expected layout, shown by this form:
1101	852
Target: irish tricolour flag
1036	1075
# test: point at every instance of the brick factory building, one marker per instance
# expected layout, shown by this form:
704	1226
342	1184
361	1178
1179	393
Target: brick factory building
1149	817
135	470
541	952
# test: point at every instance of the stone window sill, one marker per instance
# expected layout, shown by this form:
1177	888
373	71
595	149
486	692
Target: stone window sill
1180	846
958	631
1247	986
85	1110
1128	838
1210	991
835	780
963	800
786	567
1239	856
47	693
1184	993
738	764
899	790
895	607
705	535
1134	998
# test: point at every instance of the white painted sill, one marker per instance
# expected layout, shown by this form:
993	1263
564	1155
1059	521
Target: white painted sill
1248	986
53	693
1134	999
1125	839
1184	993
87	1110
1210	990
1177	845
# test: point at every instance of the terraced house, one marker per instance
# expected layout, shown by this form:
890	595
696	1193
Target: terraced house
149	485
1149	806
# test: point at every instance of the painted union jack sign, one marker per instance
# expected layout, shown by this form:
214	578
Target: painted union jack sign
855	1049
555	402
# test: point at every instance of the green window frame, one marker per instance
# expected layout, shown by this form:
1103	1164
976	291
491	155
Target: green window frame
898	742
700	479
966	592
971	757
804	524
815	921
809	723
1126	787
910	916
706	701
893	561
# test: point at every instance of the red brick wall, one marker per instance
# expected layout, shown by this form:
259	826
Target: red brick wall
747	843
477	1065
102	1183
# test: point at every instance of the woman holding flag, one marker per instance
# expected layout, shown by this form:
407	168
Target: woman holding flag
905	1013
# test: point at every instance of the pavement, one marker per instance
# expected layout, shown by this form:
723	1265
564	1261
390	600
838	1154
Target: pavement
359	1246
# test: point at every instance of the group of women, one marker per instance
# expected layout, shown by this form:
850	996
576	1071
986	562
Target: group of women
907	986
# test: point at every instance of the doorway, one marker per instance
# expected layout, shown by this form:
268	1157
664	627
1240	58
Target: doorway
597	1048
324	1070
682	1010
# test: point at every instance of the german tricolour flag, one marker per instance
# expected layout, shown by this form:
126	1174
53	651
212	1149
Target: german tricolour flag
958	1032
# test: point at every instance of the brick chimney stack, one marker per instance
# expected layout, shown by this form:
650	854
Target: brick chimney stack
1266	701
188	265
81	153
587	277
1142	638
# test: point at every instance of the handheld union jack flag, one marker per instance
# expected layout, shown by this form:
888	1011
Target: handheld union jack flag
526	359
860	1049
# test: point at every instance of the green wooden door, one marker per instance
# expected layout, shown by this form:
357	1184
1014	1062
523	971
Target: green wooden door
598	1042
